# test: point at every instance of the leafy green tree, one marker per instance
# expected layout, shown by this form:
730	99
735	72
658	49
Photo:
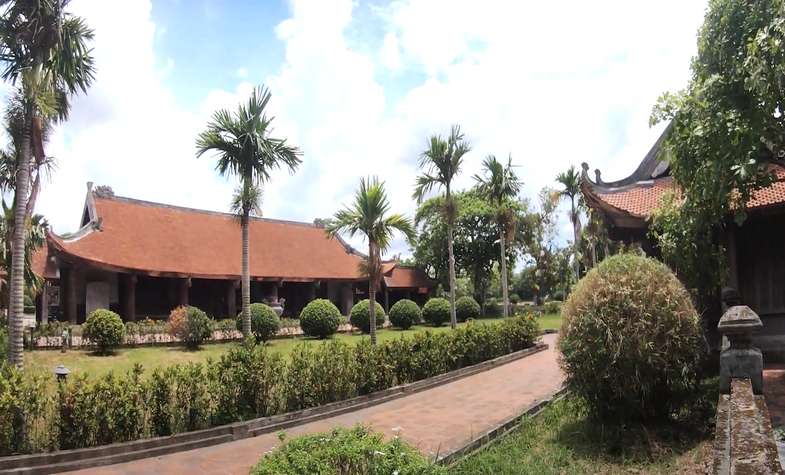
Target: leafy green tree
44	52
368	215
570	180
500	186
536	236
245	148
441	163
475	246
723	128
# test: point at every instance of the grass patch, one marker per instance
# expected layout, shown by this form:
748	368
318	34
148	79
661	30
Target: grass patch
550	321
564	439
151	357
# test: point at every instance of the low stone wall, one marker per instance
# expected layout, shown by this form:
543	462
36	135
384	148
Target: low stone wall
56	342
744	440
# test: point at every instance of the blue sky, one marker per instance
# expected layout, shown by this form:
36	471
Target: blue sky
359	86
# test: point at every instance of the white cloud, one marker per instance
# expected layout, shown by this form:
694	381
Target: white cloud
552	83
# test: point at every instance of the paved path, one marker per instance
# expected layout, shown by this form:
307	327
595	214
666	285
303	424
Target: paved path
436	420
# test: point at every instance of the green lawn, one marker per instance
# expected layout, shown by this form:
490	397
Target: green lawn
563	440
151	357
550	321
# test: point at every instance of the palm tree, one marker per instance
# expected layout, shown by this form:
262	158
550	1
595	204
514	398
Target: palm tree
43	50
571	183
441	163
368	216
500	185
244	147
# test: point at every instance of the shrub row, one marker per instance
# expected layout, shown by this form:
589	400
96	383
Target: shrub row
38	414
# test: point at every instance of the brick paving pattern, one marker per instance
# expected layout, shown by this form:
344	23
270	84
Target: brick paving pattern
437	420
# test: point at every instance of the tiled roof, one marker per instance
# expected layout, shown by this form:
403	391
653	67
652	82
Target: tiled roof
407	277
162	240
641	199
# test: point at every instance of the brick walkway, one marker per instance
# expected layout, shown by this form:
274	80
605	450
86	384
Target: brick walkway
436	420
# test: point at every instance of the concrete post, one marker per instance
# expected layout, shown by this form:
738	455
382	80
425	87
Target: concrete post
740	359
44	303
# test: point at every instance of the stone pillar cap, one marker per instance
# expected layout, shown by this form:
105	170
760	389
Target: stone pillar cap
739	319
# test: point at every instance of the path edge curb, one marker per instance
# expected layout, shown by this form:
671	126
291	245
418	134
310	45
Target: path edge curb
76	459
500	430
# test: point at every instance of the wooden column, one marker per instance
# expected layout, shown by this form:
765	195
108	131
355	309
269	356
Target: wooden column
43	299
182	290
386	300
730	249
347	298
128	281
68	294
231	297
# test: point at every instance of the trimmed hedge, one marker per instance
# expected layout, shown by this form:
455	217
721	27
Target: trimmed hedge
247	382
466	308
104	329
493	308
631	349
405	313
357	447
264	322
320	318
360	315
436	311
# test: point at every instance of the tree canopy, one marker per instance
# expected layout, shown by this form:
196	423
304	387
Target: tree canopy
723	128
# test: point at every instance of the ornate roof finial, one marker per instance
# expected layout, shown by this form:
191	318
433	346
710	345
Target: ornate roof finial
597	176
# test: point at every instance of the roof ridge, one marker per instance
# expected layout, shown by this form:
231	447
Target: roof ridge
199	210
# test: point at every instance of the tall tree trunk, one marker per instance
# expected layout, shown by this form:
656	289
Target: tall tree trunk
246	276
372	289
451	257
17	283
503	265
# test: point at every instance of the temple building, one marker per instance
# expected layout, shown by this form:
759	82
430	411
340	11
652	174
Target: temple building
142	259
755	250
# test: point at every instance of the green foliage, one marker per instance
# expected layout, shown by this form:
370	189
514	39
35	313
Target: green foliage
723	128
436	311
249	381
357	451
264	322
3	341
552	306
191	325
493	308
104	329
360	315
476	239
320	318
405	313
466	308
514	299
630	348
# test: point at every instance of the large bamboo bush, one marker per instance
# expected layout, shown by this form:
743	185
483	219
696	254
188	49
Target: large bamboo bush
631	339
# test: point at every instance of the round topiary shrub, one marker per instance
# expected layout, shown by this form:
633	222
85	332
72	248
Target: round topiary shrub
265	323
466	308
104	329
190	325
631	349
436	311
405	313
360	315
320	318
